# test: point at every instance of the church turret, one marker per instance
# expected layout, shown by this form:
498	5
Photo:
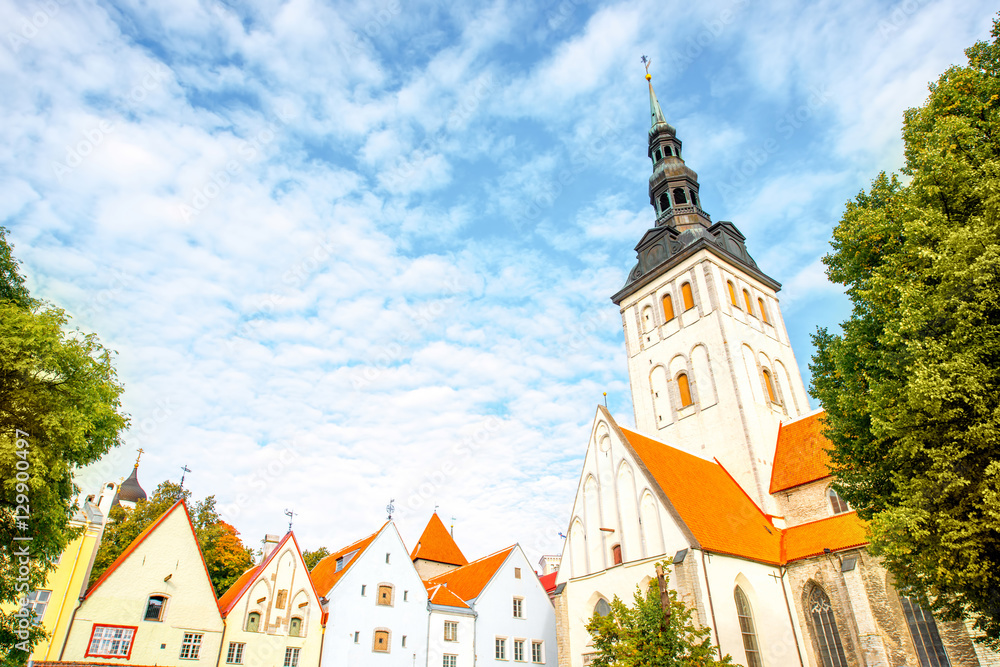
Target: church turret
130	492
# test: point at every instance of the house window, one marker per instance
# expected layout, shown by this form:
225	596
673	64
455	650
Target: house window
36	602
450	631
536	652
500	648
380	643
517	573
763	311
363	589
732	294
770	386
384	595
295	627
282	597
668	308
745	615
688	296
518	607
519	650
405	594
924	632
838	504
291	657
154	608
357	637
449	660
616	554
191	646
253	622
111	641
685	389
234	656
404	641
824	627
387	559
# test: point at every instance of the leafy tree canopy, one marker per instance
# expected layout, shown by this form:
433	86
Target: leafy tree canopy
911	385
225	554
60	409
312	558
636	636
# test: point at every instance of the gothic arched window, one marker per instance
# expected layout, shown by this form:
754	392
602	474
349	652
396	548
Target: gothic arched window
924	632
668	308
750	645
824	627
684	387
688	296
838	504
679	196
602	608
732	293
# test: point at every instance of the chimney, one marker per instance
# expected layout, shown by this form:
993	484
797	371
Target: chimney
270	541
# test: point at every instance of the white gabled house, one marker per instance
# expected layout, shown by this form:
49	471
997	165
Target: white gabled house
452	629
376	603
273	614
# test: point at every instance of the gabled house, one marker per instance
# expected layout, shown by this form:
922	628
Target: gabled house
154	605
273	614
451	629
514	619
376	603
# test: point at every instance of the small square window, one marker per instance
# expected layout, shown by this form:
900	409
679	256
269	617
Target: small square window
191	646
517	573
234	656
291	657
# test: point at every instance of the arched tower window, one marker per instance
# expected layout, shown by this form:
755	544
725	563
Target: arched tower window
679	196
684	387
924	632
763	311
664	202
824	629
746	297
770	386
732	293
747	628
838	504
659	155
668	308
688	296
694	197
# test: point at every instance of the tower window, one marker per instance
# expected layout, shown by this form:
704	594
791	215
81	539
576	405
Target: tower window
838	504
616	554
770	386
659	155
664	202
746	297
668	308
763	311
670	151
694	197
688	296
732	293
679	196
685	389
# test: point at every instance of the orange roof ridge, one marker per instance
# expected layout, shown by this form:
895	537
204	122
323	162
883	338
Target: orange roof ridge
801	453
235	592
140	538
325	575
836	533
468	581
436	544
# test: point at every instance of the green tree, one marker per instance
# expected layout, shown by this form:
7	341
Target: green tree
312	558
636	636
225	554
59	410
911	385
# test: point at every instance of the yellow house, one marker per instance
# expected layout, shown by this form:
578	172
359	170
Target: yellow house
155	604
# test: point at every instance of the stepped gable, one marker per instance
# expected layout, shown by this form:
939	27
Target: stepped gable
326	575
801	455
468	581
437	544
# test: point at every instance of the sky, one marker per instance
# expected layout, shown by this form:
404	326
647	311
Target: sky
354	253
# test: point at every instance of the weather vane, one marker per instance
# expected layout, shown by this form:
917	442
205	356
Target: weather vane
390	508
184	470
647	62
290	514
140	450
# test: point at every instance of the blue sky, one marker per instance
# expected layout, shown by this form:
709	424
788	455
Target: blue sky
354	252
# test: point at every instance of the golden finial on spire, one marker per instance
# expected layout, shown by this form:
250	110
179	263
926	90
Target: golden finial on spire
647	62
140	450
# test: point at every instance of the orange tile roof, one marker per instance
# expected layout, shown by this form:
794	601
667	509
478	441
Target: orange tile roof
468	581
716	510
801	455
325	575
836	532
437	544
232	596
444	596
142	537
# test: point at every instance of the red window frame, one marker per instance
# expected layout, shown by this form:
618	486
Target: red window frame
131	644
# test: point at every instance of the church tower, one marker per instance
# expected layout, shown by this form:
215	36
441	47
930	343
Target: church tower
710	363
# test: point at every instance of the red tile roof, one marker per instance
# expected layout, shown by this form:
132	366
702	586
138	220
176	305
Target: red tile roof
801	455
326	575
548	581
142	537
843	531
437	544
716	510
468	581
444	596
